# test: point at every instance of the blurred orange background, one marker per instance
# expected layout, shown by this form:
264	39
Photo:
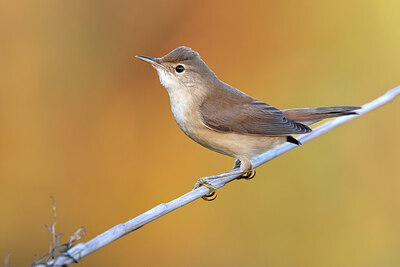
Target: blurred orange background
84	121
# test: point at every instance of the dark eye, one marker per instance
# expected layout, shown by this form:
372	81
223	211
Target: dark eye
179	68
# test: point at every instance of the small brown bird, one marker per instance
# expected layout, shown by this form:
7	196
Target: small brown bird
222	118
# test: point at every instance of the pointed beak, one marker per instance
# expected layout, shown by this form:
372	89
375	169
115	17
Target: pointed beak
153	61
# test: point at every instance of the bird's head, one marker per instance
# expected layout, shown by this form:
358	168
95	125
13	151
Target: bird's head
181	68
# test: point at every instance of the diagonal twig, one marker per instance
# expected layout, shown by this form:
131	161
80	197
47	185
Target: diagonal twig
83	249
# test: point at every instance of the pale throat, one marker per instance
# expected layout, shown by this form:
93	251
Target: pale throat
165	80
182	101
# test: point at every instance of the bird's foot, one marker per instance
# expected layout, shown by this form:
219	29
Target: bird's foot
248	175
212	194
246	167
205	181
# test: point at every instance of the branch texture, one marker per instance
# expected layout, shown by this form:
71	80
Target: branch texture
83	249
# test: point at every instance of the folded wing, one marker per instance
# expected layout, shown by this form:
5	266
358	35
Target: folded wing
248	116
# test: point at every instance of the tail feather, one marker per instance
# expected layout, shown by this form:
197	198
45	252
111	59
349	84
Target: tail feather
309	116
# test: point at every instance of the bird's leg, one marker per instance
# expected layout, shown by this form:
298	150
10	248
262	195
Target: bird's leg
248	174
207	179
205	182
237	164
243	168
246	167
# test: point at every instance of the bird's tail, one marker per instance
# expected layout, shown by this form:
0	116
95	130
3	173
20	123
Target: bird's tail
309	116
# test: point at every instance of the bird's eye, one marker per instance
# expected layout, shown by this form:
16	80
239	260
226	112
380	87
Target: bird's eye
180	68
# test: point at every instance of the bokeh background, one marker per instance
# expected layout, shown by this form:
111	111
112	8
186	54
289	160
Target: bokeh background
84	121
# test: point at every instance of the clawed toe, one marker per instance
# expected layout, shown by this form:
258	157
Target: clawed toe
248	175
213	191
212	194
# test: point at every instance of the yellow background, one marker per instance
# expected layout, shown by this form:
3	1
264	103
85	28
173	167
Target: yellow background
85	122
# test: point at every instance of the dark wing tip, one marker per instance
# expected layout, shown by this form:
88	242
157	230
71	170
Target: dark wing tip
304	128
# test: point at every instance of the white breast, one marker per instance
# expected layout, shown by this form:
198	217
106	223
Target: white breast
184	111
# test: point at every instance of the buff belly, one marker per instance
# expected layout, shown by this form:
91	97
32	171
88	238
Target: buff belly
236	145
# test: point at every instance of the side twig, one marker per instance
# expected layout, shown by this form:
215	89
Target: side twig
83	249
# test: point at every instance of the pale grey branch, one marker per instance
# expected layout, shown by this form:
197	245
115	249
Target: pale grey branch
83	249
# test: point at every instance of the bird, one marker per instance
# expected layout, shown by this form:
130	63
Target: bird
226	120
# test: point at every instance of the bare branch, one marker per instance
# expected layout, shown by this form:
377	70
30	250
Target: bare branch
83	249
